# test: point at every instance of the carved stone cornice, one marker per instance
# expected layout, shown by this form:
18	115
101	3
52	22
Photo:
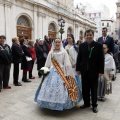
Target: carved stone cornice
41	14
7	3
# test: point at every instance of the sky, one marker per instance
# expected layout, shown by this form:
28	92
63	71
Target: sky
111	4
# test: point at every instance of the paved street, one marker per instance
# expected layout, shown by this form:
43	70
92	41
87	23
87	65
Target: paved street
18	104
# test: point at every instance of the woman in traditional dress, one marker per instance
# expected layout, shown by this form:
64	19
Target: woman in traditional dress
59	89
72	50
69	45
105	83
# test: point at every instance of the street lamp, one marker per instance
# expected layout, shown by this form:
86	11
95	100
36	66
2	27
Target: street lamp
61	23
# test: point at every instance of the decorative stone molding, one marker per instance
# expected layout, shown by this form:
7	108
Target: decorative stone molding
7	3
41	14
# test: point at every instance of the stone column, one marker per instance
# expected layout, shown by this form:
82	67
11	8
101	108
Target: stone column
7	18
35	36
2	20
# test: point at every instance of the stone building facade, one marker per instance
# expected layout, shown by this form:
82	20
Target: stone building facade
117	29
35	18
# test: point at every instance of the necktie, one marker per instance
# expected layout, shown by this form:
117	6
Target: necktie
103	40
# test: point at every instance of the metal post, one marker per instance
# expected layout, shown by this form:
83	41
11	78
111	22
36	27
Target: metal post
61	36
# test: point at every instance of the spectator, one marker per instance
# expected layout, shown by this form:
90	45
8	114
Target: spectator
5	63
107	39
17	58
26	64
47	43
109	71
36	43
32	51
116	52
41	53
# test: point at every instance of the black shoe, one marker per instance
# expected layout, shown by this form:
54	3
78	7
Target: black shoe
84	106
18	84
95	110
113	78
99	98
103	99
26	81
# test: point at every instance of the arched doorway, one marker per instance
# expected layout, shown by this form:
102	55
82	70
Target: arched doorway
69	31
23	27
52	31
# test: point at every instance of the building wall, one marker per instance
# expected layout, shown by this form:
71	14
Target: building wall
40	16
97	15
118	20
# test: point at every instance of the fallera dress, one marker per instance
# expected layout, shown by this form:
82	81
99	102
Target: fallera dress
53	93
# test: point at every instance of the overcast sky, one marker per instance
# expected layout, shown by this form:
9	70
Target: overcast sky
111	4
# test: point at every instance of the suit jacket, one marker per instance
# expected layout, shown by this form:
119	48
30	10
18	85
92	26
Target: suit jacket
95	64
109	41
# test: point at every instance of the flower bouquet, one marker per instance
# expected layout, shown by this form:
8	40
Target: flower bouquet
44	71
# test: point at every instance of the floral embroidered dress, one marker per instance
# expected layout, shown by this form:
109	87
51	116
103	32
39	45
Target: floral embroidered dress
53	93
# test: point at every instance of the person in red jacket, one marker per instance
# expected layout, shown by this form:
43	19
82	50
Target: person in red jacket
33	53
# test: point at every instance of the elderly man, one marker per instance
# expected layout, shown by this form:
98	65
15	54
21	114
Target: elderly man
5	63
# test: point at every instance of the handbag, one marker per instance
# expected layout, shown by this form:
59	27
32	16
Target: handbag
28	58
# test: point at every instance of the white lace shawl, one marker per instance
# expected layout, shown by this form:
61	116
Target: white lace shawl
62	58
109	63
73	55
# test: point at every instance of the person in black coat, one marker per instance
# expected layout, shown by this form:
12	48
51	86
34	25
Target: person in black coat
17	58
5	63
41	54
107	40
26	65
47	43
90	64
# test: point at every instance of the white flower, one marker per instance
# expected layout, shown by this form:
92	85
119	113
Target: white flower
44	70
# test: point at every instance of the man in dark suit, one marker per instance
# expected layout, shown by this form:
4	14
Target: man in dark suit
107	39
90	64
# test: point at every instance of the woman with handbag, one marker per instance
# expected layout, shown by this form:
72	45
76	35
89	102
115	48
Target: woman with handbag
26	64
41	54
105	83
59	90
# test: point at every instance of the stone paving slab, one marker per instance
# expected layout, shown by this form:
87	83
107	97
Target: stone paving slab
18	104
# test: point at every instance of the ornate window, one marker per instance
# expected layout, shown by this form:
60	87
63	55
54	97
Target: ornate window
51	27
23	21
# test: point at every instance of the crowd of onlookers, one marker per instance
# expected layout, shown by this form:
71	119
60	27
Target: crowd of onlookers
26	52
